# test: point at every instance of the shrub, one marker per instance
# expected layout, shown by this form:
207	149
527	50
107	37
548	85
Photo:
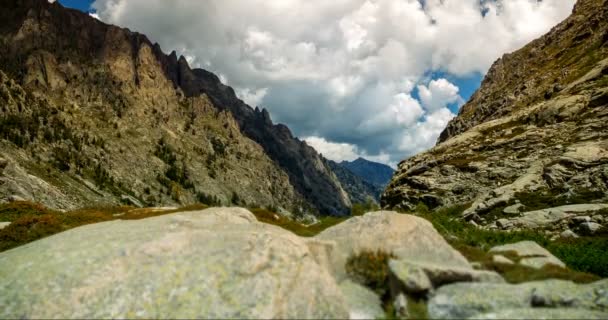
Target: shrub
359	209
370	268
28	228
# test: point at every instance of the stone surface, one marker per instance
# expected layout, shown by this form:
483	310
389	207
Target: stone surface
420	277
542	313
411	278
514	209
362	303
497	258
4	224
568	234
590	228
406	236
216	263
547	217
400	305
531	254
466	300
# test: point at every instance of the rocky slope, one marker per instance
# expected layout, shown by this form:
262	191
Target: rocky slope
534	135
359	189
92	113
222	263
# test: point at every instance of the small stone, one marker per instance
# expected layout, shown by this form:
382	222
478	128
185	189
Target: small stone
501	259
4	225
400	305
567	234
503	223
581	219
412	278
514	209
590	228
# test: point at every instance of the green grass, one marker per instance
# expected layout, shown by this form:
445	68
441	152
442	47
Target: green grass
267	216
31	221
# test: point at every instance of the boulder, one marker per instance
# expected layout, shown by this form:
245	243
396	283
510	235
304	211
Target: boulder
215	263
481	300
362	302
531	254
415	278
546	217
542	313
590	228
566	234
514	209
500	259
408	237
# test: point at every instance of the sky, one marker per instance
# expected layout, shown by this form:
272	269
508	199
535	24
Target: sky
373	78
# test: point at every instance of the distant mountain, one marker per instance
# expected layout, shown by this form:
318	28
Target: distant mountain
359	190
375	173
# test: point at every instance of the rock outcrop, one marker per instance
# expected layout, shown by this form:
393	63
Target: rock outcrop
551	299
100	113
223	263
537	125
216	263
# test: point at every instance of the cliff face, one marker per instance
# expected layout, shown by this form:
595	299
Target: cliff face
130	123
536	128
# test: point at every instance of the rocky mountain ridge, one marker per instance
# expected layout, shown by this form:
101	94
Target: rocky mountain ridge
104	116
533	136
373	172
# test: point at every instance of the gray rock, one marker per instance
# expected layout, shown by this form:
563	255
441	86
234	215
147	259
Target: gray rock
566	234
467	300
408	237
590	228
531	253
362	302
581	219
546	217
497	258
4	225
598	218
412	278
503	223
543	313
215	263
417	277
400	305
514	209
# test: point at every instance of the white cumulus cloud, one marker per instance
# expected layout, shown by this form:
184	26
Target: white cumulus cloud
346	71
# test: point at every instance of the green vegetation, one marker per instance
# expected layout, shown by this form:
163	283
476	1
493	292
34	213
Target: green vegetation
30	221
582	255
360	209
267	216
370	268
177	174
554	198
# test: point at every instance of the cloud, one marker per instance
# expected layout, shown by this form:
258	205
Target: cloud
94	15
439	94
346	71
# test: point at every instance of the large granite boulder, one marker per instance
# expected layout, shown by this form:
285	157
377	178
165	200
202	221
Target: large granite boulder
215	263
530	254
408	237
498	301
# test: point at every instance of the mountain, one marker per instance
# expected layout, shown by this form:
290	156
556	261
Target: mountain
97	114
534	136
375	173
359	189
